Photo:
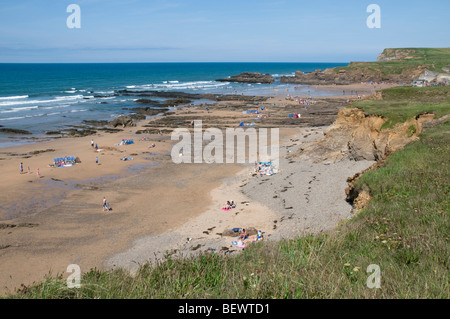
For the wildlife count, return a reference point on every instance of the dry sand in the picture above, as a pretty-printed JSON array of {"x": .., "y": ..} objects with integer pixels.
[
  {"x": 302, "y": 198},
  {"x": 351, "y": 90},
  {"x": 57, "y": 219}
]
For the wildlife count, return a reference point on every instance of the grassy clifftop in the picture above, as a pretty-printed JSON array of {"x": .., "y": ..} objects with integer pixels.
[
  {"x": 406, "y": 61},
  {"x": 403, "y": 103},
  {"x": 392, "y": 65}
]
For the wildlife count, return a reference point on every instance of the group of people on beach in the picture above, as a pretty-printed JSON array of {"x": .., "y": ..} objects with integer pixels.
[
  {"x": 229, "y": 205},
  {"x": 29, "y": 171},
  {"x": 94, "y": 146},
  {"x": 265, "y": 169}
]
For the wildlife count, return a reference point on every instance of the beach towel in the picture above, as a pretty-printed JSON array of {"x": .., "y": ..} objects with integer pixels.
[{"x": 226, "y": 209}]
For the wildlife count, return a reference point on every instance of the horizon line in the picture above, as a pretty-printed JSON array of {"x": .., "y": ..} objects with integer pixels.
[{"x": 173, "y": 62}]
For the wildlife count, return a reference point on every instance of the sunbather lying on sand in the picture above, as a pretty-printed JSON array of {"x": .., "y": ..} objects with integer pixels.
[
  {"x": 244, "y": 234},
  {"x": 231, "y": 204}
]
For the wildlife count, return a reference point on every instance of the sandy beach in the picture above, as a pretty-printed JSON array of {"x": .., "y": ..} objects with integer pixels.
[{"x": 56, "y": 219}]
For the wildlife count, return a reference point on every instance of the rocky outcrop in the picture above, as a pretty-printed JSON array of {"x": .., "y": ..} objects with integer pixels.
[
  {"x": 358, "y": 136},
  {"x": 396, "y": 55},
  {"x": 189, "y": 96},
  {"x": 146, "y": 101},
  {"x": 356, "y": 72},
  {"x": 14, "y": 131},
  {"x": 124, "y": 121},
  {"x": 248, "y": 77},
  {"x": 147, "y": 111}
]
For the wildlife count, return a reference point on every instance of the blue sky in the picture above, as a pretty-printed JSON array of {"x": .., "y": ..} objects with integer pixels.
[{"x": 216, "y": 31}]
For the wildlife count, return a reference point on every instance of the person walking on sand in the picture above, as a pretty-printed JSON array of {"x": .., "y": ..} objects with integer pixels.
[
  {"x": 105, "y": 205},
  {"x": 37, "y": 173},
  {"x": 92, "y": 143},
  {"x": 21, "y": 168},
  {"x": 96, "y": 160}
]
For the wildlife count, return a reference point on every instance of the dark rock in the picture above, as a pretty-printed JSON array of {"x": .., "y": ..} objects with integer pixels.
[
  {"x": 53, "y": 133},
  {"x": 137, "y": 117},
  {"x": 177, "y": 101},
  {"x": 95, "y": 123},
  {"x": 123, "y": 120},
  {"x": 146, "y": 101},
  {"x": 149, "y": 111},
  {"x": 248, "y": 77},
  {"x": 42, "y": 151},
  {"x": 79, "y": 132},
  {"x": 110, "y": 130},
  {"x": 194, "y": 96},
  {"x": 14, "y": 131}
]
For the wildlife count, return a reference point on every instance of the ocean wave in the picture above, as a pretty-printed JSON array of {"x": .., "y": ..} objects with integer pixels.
[
  {"x": 108, "y": 98},
  {"x": 190, "y": 85},
  {"x": 54, "y": 113},
  {"x": 55, "y": 107},
  {"x": 68, "y": 98},
  {"x": 13, "y": 97},
  {"x": 21, "y": 117},
  {"x": 176, "y": 85},
  {"x": 18, "y": 109},
  {"x": 57, "y": 99},
  {"x": 111, "y": 92}
]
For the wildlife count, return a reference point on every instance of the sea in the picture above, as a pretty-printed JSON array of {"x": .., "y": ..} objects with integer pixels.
[{"x": 40, "y": 98}]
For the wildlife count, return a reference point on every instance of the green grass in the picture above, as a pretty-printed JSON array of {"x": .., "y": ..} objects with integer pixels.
[
  {"x": 434, "y": 59},
  {"x": 401, "y": 104}
]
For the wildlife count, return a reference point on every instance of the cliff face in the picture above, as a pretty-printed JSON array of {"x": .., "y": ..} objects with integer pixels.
[
  {"x": 396, "y": 55},
  {"x": 357, "y": 136}
]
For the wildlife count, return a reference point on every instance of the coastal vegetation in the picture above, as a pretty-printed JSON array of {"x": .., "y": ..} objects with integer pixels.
[
  {"x": 403, "y": 103},
  {"x": 393, "y": 65},
  {"x": 404, "y": 230},
  {"x": 397, "y": 61}
]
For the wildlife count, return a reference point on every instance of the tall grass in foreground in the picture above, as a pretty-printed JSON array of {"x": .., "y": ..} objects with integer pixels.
[{"x": 404, "y": 230}]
